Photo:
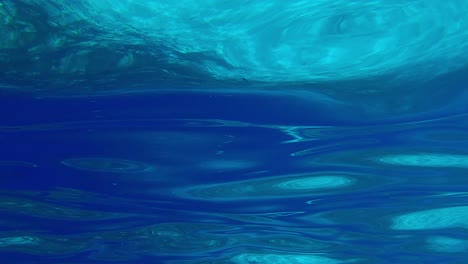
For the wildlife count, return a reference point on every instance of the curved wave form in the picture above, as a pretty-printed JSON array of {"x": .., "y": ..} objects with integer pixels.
[{"x": 271, "y": 41}]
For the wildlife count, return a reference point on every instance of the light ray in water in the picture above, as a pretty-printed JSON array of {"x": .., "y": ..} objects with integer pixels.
[
  {"x": 107, "y": 165},
  {"x": 18, "y": 240},
  {"x": 418, "y": 156},
  {"x": 227, "y": 165},
  {"x": 279, "y": 186}
]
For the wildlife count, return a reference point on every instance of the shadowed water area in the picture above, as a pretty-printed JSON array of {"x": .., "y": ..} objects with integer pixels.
[{"x": 237, "y": 132}]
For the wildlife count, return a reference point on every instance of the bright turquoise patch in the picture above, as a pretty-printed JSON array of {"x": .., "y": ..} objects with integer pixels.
[
  {"x": 252, "y": 258},
  {"x": 449, "y": 217},
  {"x": 427, "y": 160},
  {"x": 262, "y": 40},
  {"x": 313, "y": 183},
  {"x": 19, "y": 240}
]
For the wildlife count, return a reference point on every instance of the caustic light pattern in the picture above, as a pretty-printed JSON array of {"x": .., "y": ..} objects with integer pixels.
[{"x": 278, "y": 41}]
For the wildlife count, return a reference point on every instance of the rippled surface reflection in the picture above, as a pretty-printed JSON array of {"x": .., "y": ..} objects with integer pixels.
[{"x": 237, "y": 191}]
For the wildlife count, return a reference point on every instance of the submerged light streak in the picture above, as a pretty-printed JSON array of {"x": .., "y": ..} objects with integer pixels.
[
  {"x": 107, "y": 165},
  {"x": 18, "y": 240},
  {"x": 440, "y": 218},
  {"x": 291, "y": 185},
  {"x": 427, "y": 160},
  {"x": 447, "y": 244}
]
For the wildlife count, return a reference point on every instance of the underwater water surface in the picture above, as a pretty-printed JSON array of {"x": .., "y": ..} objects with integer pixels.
[{"x": 237, "y": 132}]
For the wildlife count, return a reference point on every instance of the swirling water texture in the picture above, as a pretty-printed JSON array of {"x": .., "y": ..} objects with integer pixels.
[
  {"x": 194, "y": 193},
  {"x": 269, "y": 41}
]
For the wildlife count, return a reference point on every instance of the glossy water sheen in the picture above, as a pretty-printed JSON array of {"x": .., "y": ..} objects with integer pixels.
[{"x": 237, "y": 132}]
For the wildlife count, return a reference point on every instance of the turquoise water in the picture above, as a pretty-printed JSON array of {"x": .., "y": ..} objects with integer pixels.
[{"x": 233, "y": 132}]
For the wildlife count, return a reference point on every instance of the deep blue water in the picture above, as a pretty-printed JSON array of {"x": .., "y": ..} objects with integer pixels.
[{"x": 233, "y": 132}]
